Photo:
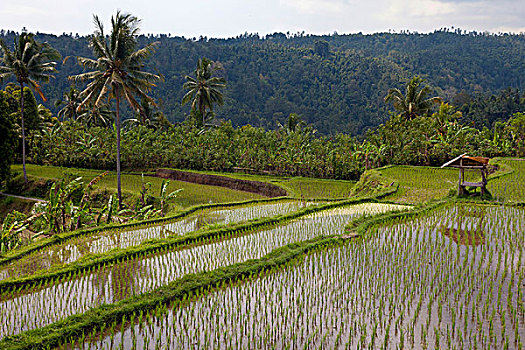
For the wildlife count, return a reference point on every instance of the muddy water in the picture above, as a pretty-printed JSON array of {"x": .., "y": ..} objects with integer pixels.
[
  {"x": 104, "y": 241},
  {"x": 39, "y": 307},
  {"x": 409, "y": 286}
]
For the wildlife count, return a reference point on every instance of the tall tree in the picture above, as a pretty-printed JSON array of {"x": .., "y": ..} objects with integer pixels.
[
  {"x": 8, "y": 138},
  {"x": 415, "y": 102},
  {"x": 204, "y": 88},
  {"x": 29, "y": 63},
  {"x": 117, "y": 71}
]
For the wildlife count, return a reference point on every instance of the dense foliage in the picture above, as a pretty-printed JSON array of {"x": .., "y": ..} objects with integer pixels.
[
  {"x": 335, "y": 82},
  {"x": 224, "y": 148},
  {"x": 428, "y": 140}
]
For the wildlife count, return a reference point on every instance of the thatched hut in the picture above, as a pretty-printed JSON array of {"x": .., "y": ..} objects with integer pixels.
[{"x": 466, "y": 162}]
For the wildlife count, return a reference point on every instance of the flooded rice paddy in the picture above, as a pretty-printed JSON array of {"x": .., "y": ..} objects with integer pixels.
[
  {"x": 454, "y": 279},
  {"x": 53, "y": 301},
  {"x": 104, "y": 241}
]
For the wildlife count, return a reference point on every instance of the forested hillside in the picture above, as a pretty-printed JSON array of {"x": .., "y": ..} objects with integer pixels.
[{"x": 337, "y": 82}]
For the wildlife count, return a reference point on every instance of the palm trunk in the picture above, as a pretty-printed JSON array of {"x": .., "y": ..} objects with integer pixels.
[
  {"x": 119, "y": 190},
  {"x": 202, "y": 110},
  {"x": 23, "y": 131}
]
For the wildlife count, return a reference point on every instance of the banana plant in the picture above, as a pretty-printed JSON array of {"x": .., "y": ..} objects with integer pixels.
[
  {"x": 83, "y": 212},
  {"x": 165, "y": 197},
  {"x": 14, "y": 224}
]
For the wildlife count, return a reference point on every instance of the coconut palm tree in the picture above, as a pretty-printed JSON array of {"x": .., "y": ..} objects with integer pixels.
[
  {"x": 70, "y": 104},
  {"x": 100, "y": 115},
  {"x": 415, "y": 101},
  {"x": 30, "y": 62},
  {"x": 117, "y": 71},
  {"x": 204, "y": 88}
]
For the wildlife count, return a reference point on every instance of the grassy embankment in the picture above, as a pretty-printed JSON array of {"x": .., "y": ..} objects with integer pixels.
[
  {"x": 299, "y": 187},
  {"x": 192, "y": 194}
]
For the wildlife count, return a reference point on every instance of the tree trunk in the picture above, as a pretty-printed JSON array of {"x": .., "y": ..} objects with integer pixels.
[
  {"x": 202, "y": 110},
  {"x": 119, "y": 190},
  {"x": 23, "y": 131}
]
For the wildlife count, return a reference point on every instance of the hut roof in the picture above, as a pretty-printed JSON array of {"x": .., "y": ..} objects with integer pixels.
[{"x": 466, "y": 161}]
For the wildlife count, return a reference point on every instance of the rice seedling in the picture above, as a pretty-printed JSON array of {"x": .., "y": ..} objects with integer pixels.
[
  {"x": 104, "y": 241},
  {"x": 511, "y": 187},
  {"x": 420, "y": 184},
  {"x": 54, "y": 300},
  {"x": 407, "y": 285}
]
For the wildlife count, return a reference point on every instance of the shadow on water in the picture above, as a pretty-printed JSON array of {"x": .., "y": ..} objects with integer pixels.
[{"x": 467, "y": 232}]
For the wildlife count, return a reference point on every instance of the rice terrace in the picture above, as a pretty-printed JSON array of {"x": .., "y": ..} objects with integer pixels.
[{"x": 165, "y": 196}]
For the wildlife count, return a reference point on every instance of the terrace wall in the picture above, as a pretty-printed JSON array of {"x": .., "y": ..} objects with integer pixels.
[{"x": 262, "y": 188}]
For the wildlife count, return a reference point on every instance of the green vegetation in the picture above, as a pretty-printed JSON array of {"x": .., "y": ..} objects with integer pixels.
[
  {"x": 179, "y": 290},
  {"x": 204, "y": 90},
  {"x": 8, "y": 138},
  {"x": 420, "y": 184},
  {"x": 80, "y": 246},
  {"x": 29, "y": 63},
  {"x": 8, "y": 204},
  {"x": 301, "y": 187},
  {"x": 192, "y": 194},
  {"x": 510, "y": 187},
  {"x": 415, "y": 102},
  {"x": 436, "y": 309},
  {"x": 152, "y": 246},
  {"x": 447, "y": 273},
  {"x": 338, "y": 88},
  {"x": 117, "y": 72}
]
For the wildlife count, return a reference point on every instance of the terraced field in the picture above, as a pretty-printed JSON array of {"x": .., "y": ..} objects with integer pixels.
[
  {"x": 104, "y": 241},
  {"x": 52, "y": 301},
  {"x": 355, "y": 274},
  {"x": 463, "y": 290}
]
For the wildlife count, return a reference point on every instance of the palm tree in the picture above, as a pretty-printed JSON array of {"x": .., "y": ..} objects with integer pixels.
[
  {"x": 147, "y": 116},
  {"x": 204, "y": 89},
  {"x": 117, "y": 71},
  {"x": 29, "y": 63},
  {"x": 100, "y": 115},
  {"x": 70, "y": 102},
  {"x": 414, "y": 102}
]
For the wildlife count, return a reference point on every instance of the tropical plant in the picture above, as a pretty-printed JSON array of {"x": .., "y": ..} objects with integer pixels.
[
  {"x": 14, "y": 224},
  {"x": 100, "y": 115},
  {"x": 70, "y": 104},
  {"x": 28, "y": 63},
  {"x": 443, "y": 118},
  {"x": 165, "y": 197},
  {"x": 8, "y": 139},
  {"x": 415, "y": 102},
  {"x": 147, "y": 116},
  {"x": 204, "y": 88},
  {"x": 294, "y": 123},
  {"x": 117, "y": 71}
]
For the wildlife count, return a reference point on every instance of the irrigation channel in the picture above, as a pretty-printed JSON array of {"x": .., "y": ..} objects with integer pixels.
[
  {"x": 104, "y": 241},
  {"x": 27, "y": 309},
  {"x": 452, "y": 278}
]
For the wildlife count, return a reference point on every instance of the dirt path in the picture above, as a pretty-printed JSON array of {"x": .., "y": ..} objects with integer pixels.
[{"x": 22, "y": 197}]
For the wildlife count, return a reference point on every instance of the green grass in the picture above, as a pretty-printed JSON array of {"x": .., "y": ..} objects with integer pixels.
[
  {"x": 302, "y": 187},
  {"x": 192, "y": 194},
  {"x": 421, "y": 184},
  {"x": 299, "y": 187}
]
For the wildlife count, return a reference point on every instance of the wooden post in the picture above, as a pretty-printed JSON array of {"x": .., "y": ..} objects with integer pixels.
[{"x": 483, "y": 180}]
